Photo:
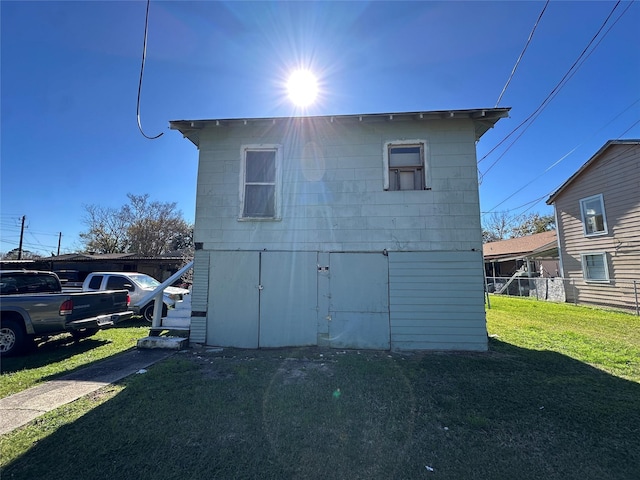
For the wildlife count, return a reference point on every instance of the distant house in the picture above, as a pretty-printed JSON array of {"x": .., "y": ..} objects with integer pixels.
[
  {"x": 533, "y": 254},
  {"x": 74, "y": 267},
  {"x": 598, "y": 221},
  {"x": 349, "y": 231}
]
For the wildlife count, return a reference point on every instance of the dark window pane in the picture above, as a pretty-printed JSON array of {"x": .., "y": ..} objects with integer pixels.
[
  {"x": 259, "y": 201},
  {"x": 119, "y": 283},
  {"x": 261, "y": 167},
  {"x": 405, "y": 156},
  {"x": 95, "y": 282}
]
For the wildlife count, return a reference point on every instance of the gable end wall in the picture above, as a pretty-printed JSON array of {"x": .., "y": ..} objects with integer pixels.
[
  {"x": 333, "y": 201},
  {"x": 616, "y": 175}
]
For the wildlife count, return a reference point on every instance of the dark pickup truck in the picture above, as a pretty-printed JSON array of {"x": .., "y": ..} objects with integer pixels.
[{"x": 33, "y": 305}]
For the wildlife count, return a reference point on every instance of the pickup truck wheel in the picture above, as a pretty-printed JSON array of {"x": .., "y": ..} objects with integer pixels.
[
  {"x": 147, "y": 313},
  {"x": 84, "y": 333},
  {"x": 12, "y": 338}
]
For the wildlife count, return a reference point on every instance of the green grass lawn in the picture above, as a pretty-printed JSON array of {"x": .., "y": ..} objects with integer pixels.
[
  {"x": 604, "y": 339},
  {"x": 556, "y": 397},
  {"x": 61, "y": 355}
]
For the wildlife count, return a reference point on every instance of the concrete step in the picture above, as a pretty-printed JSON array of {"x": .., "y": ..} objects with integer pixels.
[
  {"x": 168, "y": 343},
  {"x": 176, "y": 322}
]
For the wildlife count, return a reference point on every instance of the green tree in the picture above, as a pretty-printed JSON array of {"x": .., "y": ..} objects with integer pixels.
[
  {"x": 533, "y": 223},
  {"x": 502, "y": 226}
]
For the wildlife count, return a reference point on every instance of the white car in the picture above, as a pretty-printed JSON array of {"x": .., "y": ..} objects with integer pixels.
[{"x": 139, "y": 285}]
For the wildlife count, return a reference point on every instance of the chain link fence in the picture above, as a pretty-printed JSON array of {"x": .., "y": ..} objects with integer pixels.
[{"x": 617, "y": 294}]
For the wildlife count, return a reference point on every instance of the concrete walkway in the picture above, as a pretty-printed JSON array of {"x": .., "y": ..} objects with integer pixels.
[{"x": 20, "y": 408}]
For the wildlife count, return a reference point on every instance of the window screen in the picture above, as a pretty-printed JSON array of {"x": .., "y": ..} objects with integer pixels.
[
  {"x": 260, "y": 184},
  {"x": 594, "y": 267}
]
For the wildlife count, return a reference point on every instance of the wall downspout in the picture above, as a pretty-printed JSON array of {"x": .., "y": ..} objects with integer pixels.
[{"x": 561, "y": 263}]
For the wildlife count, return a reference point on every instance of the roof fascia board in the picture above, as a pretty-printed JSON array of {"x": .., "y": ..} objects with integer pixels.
[
  {"x": 587, "y": 164},
  {"x": 484, "y": 119}
]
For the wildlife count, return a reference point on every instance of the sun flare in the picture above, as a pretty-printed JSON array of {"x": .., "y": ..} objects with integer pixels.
[{"x": 302, "y": 87}]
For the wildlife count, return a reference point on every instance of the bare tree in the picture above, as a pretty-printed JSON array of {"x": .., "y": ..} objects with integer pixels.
[
  {"x": 501, "y": 226},
  {"x": 13, "y": 255},
  {"x": 107, "y": 231},
  {"x": 153, "y": 227},
  {"x": 142, "y": 226},
  {"x": 498, "y": 226}
]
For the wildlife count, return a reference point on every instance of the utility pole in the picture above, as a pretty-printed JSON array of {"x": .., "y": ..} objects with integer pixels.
[
  {"x": 21, "y": 237},
  {"x": 59, "y": 240}
]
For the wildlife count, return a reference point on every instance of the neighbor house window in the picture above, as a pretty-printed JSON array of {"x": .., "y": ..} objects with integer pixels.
[
  {"x": 405, "y": 165},
  {"x": 259, "y": 182},
  {"x": 594, "y": 267},
  {"x": 593, "y": 217}
]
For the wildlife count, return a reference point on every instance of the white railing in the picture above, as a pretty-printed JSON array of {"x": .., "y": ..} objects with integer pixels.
[{"x": 157, "y": 294}]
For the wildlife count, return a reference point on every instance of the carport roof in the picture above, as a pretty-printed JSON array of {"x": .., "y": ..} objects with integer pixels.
[{"x": 539, "y": 244}]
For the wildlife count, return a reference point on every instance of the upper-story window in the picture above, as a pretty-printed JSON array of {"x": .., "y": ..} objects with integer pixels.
[
  {"x": 259, "y": 182},
  {"x": 593, "y": 216},
  {"x": 405, "y": 165}
]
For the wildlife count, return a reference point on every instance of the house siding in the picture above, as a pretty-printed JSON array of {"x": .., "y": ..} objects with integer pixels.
[
  {"x": 199, "y": 297},
  {"x": 615, "y": 175},
  {"x": 437, "y": 301},
  {"x": 332, "y": 196},
  {"x": 333, "y": 203}
]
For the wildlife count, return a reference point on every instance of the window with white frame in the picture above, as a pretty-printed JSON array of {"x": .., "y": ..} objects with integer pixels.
[
  {"x": 259, "y": 182},
  {"x": 594, "y": 267},
  {"x": 405, "y": 165},
  {"x": 593, "y": 216}
]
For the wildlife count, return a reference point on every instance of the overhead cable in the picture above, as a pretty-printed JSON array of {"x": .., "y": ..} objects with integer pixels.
[
  {"x": 515, "y": 67},
  {"x": 144, "y": 56},
  {"x": 534, "y": 202},
  {"x": 576, "y": 64},
  {"x": 569, "y": 153}
]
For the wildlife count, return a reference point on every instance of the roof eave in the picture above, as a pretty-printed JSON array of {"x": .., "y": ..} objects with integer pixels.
[
  {"x": 587, "y": 164},
  {"x": 484, "y": 119}
]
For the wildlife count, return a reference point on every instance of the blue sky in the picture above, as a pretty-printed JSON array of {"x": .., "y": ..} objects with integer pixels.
[{"x": 70, "y": 71}]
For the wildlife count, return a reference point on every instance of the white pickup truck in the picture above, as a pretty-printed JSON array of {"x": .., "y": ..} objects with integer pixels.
[{"x": 139, "y": 285}]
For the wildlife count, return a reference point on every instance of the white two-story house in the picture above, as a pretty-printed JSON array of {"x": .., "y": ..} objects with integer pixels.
[{"x": 348, "y": 231}]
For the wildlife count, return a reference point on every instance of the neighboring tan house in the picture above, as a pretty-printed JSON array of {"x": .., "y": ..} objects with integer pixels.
[
  {"x": 534, "y": 255},
  {"x": 598, "y": 222},
  {"x": 347, "y": 231}
]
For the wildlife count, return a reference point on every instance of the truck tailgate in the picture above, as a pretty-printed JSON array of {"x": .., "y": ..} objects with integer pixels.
[{"x": 94, "y": 304}]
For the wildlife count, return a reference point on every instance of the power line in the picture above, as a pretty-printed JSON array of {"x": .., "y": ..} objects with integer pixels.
[
  {"x": 515, "y": 67},
  {"x": 536, "y": 201},
  {"x": 570, "y": 152},
  {"x": 144, "y": 56},
  {"x": 513, "y": 209},
  {"x": 574, "y": 67}
]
